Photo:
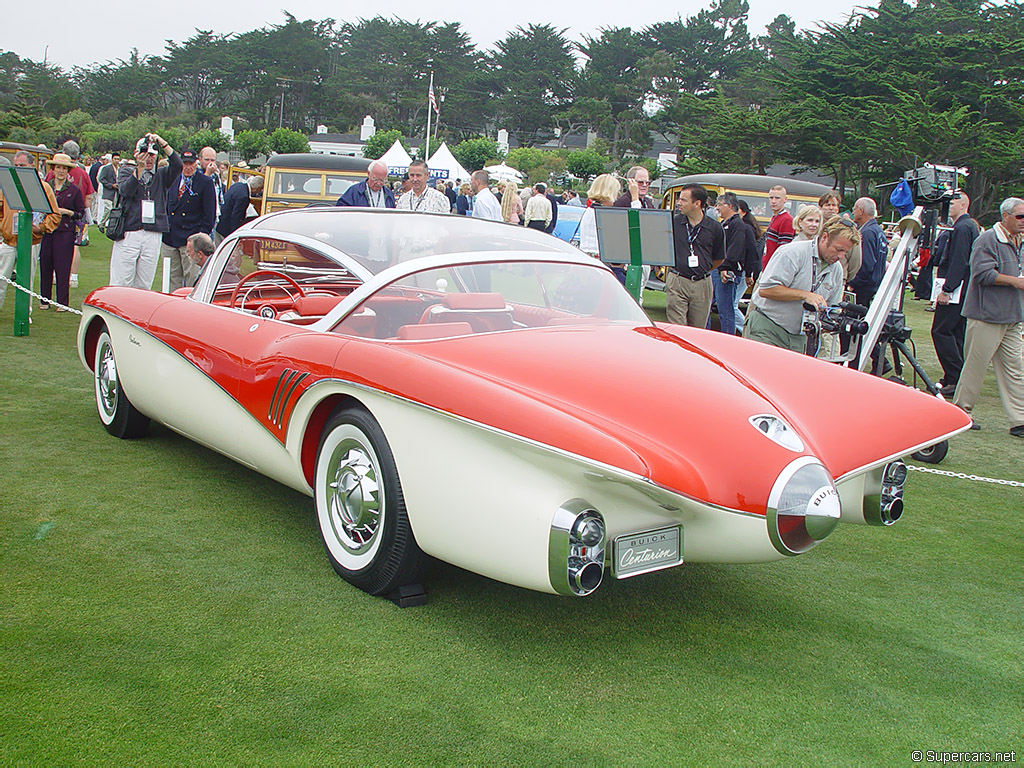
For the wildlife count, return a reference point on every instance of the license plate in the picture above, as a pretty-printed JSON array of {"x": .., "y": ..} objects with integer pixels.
[{"x": 637, "y": 553}]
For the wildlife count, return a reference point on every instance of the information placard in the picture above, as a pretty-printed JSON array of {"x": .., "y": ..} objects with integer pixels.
[{"x": 616, "y": 242}]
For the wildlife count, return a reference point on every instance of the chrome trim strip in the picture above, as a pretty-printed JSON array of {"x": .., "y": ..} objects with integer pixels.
[
  {"x": 898, "y": 455},
  {"x": 282, "y": 382},
  {"x": 288, "y": 395}
]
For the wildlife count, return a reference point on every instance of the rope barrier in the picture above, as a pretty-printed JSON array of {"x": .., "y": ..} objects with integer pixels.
[{"x": 23, "y": 289}]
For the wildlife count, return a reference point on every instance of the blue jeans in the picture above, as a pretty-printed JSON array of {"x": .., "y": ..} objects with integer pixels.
[
  {"x": 725, "y": 299},
  {"x": 741, "y": 288}
]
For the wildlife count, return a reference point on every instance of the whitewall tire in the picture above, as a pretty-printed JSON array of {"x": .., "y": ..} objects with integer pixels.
[{"x": 360, "y": 507}]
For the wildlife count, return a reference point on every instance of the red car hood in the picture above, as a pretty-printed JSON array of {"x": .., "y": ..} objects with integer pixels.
[{"x": 680, "y": 401}]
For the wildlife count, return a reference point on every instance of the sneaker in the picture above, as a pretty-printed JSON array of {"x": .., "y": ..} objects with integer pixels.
[
  {"x": 74, "y": 281},
  {"x": 1017, "y": 431}
]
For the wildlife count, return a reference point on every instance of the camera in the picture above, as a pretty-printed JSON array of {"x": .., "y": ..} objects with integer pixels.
[
  {"x": 146, "y": 145},
  {"x": 932, "y": 185}
]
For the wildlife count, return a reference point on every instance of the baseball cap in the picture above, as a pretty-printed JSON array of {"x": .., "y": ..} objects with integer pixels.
[{"x": 189, "y": 156}]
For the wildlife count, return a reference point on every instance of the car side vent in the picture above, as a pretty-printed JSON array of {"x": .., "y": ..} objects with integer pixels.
[
  {"x": 287, "y": 383},
  {"x": 778, "y": 431}
]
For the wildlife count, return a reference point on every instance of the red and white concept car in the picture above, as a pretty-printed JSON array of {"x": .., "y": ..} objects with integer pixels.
[{"x": 489, "y": 396}]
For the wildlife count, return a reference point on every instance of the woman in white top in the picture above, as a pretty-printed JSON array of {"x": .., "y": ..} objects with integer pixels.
[{"x": 604, "y": 191}]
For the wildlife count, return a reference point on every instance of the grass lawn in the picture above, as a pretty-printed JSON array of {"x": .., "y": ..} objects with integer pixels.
[{"x": 161, "y": 605}]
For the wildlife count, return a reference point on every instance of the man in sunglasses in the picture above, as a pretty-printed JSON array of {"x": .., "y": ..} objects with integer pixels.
[{"x": 994, "y": 308}]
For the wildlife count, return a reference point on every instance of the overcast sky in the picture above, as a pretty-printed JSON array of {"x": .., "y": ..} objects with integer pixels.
[{"x": 116, "y": 26}]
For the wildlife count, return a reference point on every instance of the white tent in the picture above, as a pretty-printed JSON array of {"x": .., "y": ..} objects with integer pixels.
[
  {"x": 444, "y": 160},
  {"x": 397, "y": 159},
  {"x": 504, "y": 173}
]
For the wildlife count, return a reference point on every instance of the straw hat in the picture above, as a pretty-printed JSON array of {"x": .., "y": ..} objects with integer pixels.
[{"x": 61, "y": 159}]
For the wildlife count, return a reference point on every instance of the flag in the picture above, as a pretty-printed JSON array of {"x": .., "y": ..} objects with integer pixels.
[{"x": 433, "y": 101}]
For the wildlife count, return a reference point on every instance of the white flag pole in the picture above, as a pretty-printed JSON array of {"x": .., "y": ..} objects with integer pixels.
[{"x": 426, "y": 153}]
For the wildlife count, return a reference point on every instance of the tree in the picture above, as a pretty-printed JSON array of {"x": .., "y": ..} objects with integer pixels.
[
  {"x": 614, "y": 86},
  {"x": 251, "y": 143},
  {"x": 586, "y": 163},
  {"x": 129, "y": 87},
  {"x": 537, "y": 164},
  {"x": 381, "y": 142},
  {"x": 536, "y": 72},
  {"x": 285, "y": 140},
  {"x": 474, "y": 154},
  {"x": 385, "y": 65},
  {"x": 193, "y": 71},
  {"x": 208, "y": 137}
]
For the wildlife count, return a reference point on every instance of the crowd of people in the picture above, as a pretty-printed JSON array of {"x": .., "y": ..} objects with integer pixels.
[{"x": 177, "y": 206}]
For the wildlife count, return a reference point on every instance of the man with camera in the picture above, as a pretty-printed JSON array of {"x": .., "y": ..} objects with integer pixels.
[
  {"x": 803, "y": 272},
  {"x": 143, "y": 189}
]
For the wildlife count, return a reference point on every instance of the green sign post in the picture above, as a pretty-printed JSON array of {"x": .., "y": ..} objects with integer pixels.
[
  {"x": 644, "y": 233},
  {"x": 23, "y": 192},
  {"x": 634, "y": 271}
]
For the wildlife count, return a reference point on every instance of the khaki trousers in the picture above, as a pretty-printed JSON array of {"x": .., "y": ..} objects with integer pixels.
[
  {"x": 184, "y": 271},
  {"x": 1000, "y": 344},
  {"x": 688, "y": 302}
]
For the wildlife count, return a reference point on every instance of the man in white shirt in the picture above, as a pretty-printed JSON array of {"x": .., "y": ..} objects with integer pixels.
[
  {"x": 538, "y": 209},
  {"x": 421, "y": 197},
  {"x": 485, "y": 204}
]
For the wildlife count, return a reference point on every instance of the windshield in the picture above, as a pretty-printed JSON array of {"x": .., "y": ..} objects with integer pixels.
[
  {"x": 482, "y": 298},
  {"x": 378, "y": 240}
]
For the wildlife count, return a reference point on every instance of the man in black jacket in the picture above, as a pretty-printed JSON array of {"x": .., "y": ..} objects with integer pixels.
[
  {"x": 191, "y": 208},
  {"x": 949, "y": 325},
  {"x": 740, "y": 257},
  {"x": 236, "y": 203},
  {"x": 143, "y": 190}
]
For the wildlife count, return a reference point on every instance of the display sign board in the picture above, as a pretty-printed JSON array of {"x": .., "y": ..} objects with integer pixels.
[
  {"x": 651, "y": 235},
  {"x": 23, "y": 190}
]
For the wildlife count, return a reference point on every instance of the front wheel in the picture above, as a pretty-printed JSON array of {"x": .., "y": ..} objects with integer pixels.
[
  {"x": 360, "y": 506},
  {"x": 119, "y": 416}
]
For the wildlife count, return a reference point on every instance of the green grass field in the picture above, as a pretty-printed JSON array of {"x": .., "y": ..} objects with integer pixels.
[{"x": 163, "y": 605}]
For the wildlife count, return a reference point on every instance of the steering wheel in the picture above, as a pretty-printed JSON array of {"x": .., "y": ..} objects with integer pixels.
[{"x": 265, "y": 273}]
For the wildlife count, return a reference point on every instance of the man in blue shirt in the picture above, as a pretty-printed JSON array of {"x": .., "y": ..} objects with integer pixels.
[{"x": 873, "y": 249}]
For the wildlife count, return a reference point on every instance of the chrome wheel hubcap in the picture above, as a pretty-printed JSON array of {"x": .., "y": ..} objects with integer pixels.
[
  {"x": 106, "y": 380},
  {"x": 354, "y": 497}
]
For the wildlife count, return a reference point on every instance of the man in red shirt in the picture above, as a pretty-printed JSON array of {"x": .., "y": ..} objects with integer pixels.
[{"x": 780, "y": 231}]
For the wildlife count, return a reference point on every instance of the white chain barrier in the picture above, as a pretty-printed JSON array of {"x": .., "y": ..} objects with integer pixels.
[
  {"x": 23, "y": 289},
  {"x": 964, "y": 476}
]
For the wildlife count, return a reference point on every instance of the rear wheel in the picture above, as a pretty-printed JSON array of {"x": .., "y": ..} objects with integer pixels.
[
  {"x": 118, "y": 415},
  {"x": 933, "y": 454},
  {"x": 360, "y": 506}
]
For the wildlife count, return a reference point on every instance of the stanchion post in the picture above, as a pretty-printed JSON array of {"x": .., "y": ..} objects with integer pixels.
[
  {"x": 24, "y": 269},
  {"x": 635, "y": 271}
]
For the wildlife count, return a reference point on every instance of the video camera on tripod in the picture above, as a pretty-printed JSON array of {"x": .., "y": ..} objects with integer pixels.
[
  {"x": 849, "y": 319},
  {"x": 933, "y": 187}
]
